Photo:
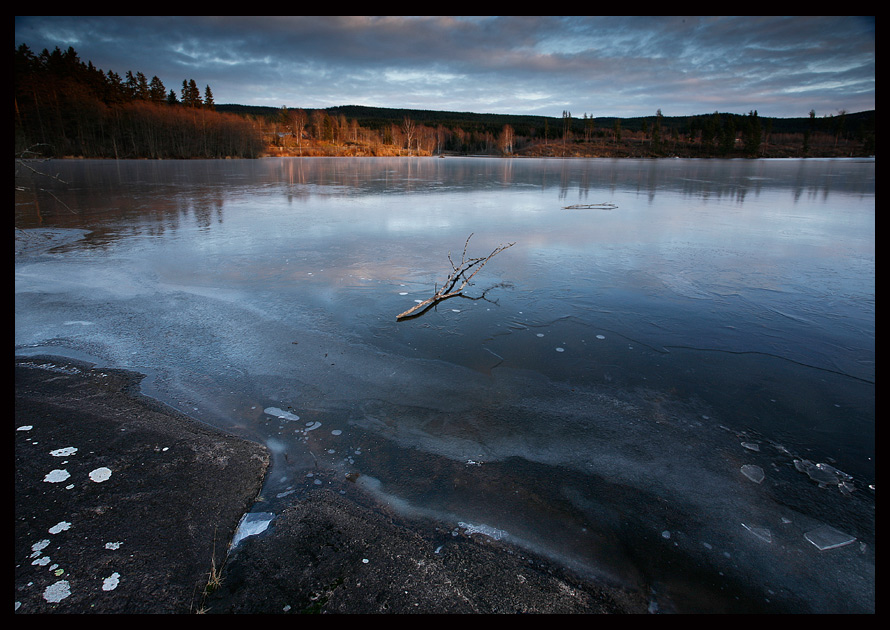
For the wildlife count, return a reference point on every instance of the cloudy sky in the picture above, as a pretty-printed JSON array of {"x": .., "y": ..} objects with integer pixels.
[{"x": 599, "y": 66}]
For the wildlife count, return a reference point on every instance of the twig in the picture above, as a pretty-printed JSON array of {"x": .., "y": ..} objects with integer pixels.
[{"x": 458, "y": 272}]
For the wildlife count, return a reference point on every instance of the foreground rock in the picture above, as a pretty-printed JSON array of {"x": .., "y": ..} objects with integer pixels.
[
  {"x": 330, "y": 553},
  {"x": 134, "y": 519}
]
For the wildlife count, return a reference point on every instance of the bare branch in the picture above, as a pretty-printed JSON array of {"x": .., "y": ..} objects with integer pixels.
[{"x": 458, "y": 273}]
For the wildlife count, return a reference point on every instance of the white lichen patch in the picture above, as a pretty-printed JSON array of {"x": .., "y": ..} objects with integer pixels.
[
  {"x": 54, "y": 593},
  {"x": 39, "y": 546},
  {"x": 61, "y": 526},
  {"x": 64, "y": 452},
  {"x": 100, "y": 474},
  {"x": 110, "y": 583},
  {"x": 56, "y": 476}
]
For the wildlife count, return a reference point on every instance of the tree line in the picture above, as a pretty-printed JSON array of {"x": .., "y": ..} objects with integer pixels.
[
  {"x": 360, "y": 130},
  {"x": 67, "y": 107}
]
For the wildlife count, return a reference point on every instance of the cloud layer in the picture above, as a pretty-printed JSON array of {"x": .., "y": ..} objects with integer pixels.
[{"x": 600, "y": 66}]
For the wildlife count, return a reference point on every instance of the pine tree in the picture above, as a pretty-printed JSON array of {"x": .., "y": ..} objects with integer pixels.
[
  {"x": 753, "y": 133},
  {"x": 157, "y": 93},
  {"x": 194, "y": 93}
]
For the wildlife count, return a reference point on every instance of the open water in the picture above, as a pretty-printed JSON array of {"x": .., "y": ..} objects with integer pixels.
[{"x": 667, "y": 382}]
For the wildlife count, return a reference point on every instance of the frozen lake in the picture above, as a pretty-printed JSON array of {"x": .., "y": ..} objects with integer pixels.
[{"x": 667, "y": 382}]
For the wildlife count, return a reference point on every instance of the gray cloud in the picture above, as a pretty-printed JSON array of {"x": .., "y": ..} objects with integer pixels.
[{"x": 602, "y": 66}]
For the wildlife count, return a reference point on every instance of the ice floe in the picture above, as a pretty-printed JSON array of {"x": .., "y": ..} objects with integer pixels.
[{"x": 281, "y": 413}]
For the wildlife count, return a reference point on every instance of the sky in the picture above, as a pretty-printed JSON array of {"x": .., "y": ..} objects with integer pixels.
[{"x": 541, "y": 65}]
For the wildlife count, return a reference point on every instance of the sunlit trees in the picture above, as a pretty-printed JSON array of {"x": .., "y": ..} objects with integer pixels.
[
  {"x": 506, "y": 139},
  {"x": 408, "y": 129}
]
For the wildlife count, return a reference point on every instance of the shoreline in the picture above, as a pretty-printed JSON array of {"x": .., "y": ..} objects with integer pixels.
[{"x": 151, "y": 536}]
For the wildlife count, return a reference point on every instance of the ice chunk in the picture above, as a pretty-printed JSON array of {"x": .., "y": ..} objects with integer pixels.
[
  {"x": 252, "y": 524},
  {"x": 827, "y": 537},
  {"x": 823, "y": 474},
  {"x": 754, "y": 473},
  {"x": 487, "y": 530},
  {"x": 761, "y": 532}
]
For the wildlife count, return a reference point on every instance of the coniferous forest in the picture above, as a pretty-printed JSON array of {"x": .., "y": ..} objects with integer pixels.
[{"x": 66, "y": 107}]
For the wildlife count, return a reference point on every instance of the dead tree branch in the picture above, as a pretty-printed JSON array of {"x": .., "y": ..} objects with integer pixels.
[{"x": 458, "y": 274}]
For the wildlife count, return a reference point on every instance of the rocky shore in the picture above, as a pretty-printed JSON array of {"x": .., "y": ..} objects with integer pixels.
[{"x": 123, "y": 505}]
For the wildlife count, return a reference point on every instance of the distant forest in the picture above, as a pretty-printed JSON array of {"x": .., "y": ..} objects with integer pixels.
[{"x": 65, "y": 107}]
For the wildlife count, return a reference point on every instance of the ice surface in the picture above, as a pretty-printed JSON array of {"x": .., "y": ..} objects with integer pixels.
[
  {"x": 827, "y": 537},
  {"x": 260, "y": 311}
]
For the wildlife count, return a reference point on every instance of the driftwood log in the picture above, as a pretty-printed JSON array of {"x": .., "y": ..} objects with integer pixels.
[
  {"x": 599, "y": 206},
  {"x": 458, "y": 274}
]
